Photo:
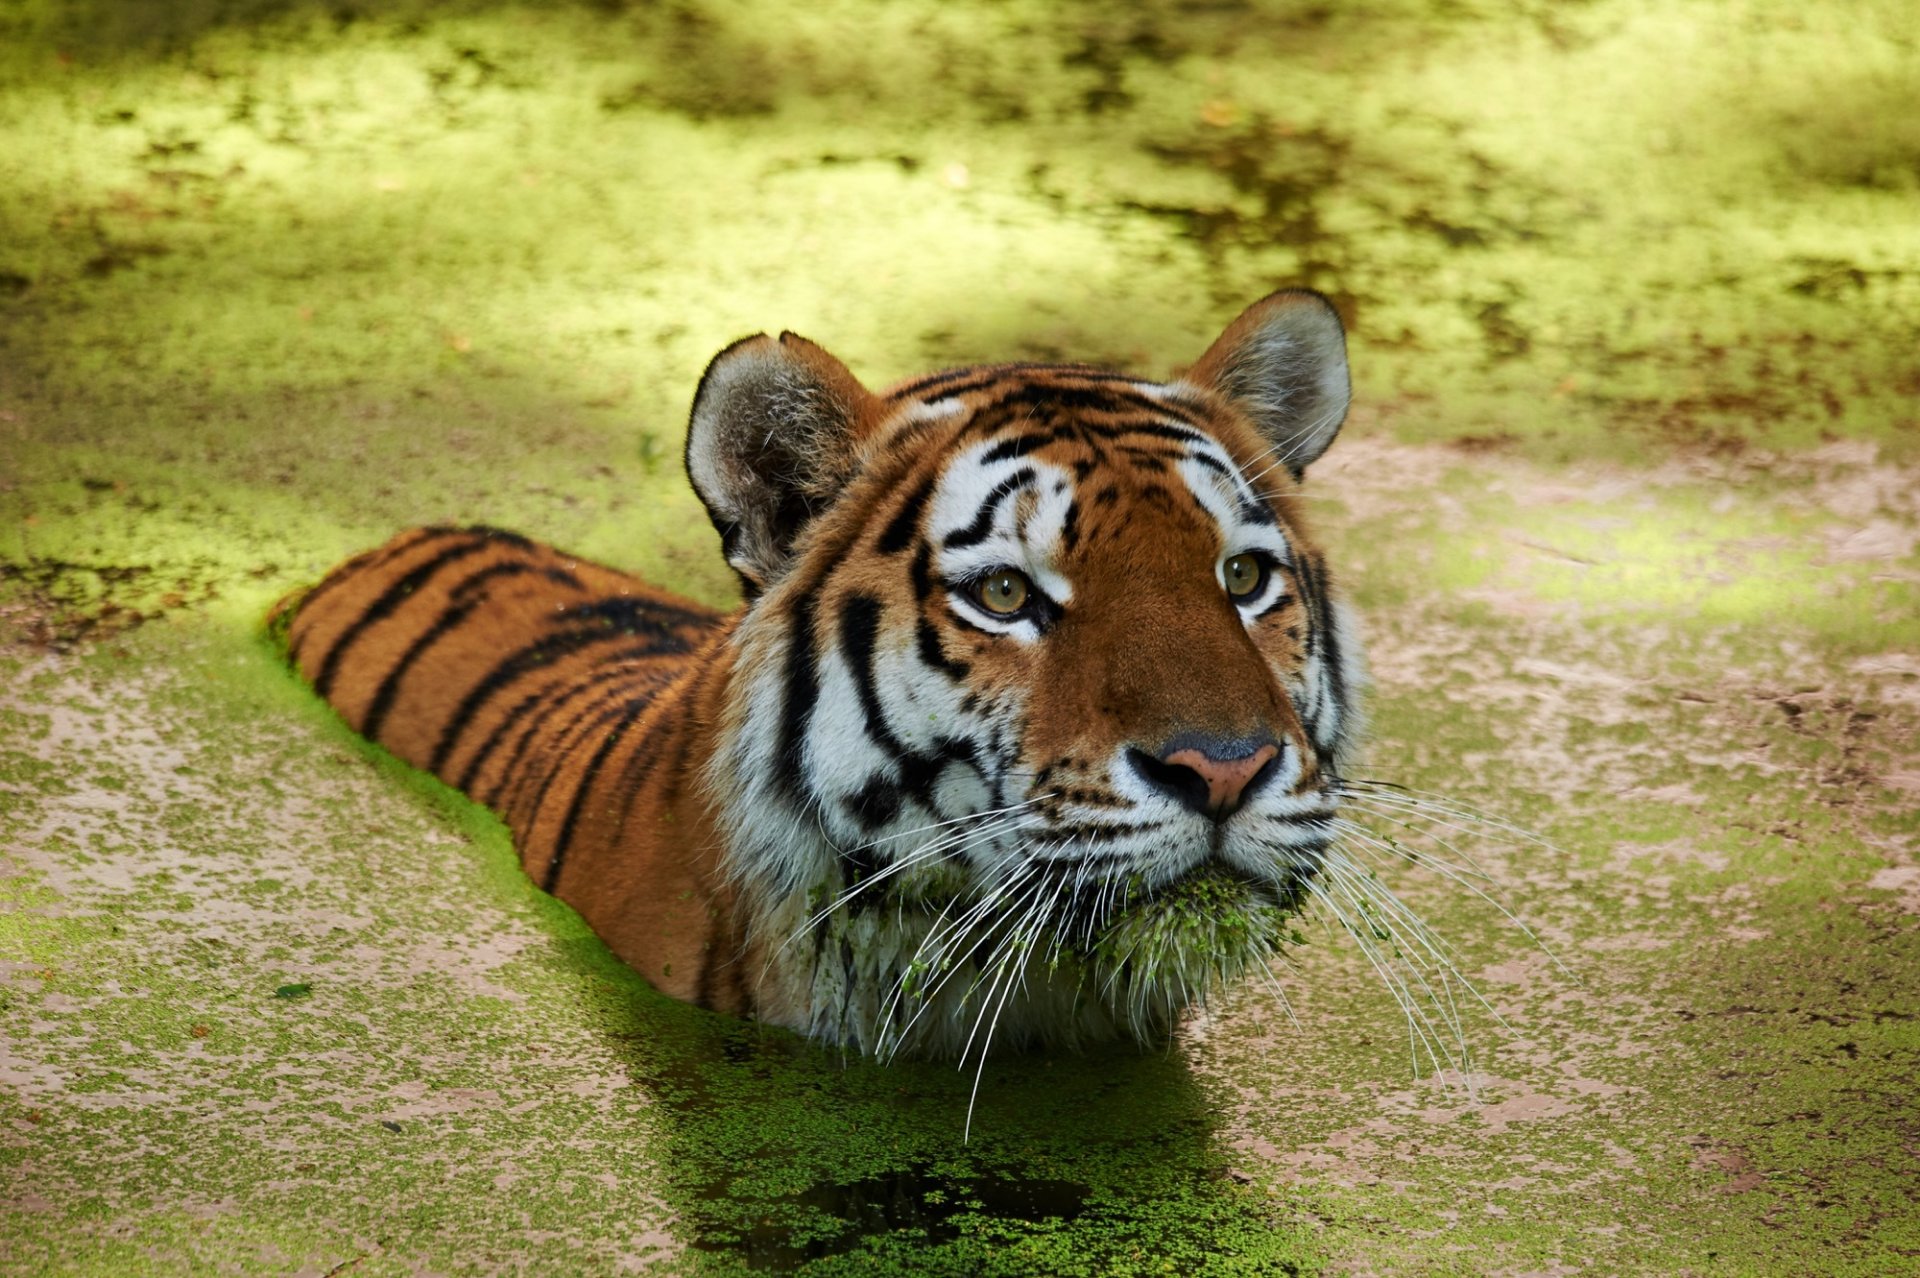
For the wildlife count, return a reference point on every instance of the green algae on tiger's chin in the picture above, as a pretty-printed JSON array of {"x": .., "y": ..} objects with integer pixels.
[
  {"x": 1168, "y": 946},
  {"x": 1158, "y": 951}
]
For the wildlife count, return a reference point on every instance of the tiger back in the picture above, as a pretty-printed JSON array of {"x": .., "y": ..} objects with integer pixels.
[
  {"x": 1029, "y": 729},
  {"x": 558, "y": 693}
]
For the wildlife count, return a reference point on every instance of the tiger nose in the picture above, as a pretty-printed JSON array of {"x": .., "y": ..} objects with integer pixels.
[{"x": 1204, "y": 780}]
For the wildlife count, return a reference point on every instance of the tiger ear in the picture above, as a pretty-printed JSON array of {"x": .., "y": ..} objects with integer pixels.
[
  {"x": 1283, "y": 363},
  {"x": 772, "y": 441}
]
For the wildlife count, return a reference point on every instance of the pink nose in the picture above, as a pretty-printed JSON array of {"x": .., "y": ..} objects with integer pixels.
[{"x": 1226, "y": 778}]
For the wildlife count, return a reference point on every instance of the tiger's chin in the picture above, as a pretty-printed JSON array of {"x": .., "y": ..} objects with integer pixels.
[
  {"x": 1166, "y": 947},
  {"x": 949, "y": 970}
]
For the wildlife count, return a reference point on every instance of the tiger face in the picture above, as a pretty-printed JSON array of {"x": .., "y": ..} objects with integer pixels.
[{"x": 1039, "y": 704}]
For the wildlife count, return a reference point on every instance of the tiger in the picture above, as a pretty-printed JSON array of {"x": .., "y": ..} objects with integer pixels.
[{"x": 1028, "y": 731}]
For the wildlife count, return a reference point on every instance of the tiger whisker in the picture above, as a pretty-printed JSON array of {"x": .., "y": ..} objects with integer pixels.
[
  {"x": 1281, "y": 451},
  {"x": 1060, "y": 934},
  {"x": 1423, "y": 805},
  {"x": 1428, "y": 801},
  {"x": 1444, "y": 956},
  {"x": 998, "y": 821},
  {"x": 1421, "y": 1032},
  {"x": 1273, "y": 983},
  {"x": 1012, "y": 895},
  {"x": 1012, "y": 971},
  {"x": 1416, "y": 1037},
  {"x": 1464, "y": 864},
  {"x": 928, "y": 997},
  {"x": 949, "y": 845},
  {"x": 887, "y": 1010},
  {"x": 1382, "y": 908},
  {"x": 1464, "y": 879},
  {"x": 932, "y": 851},
  {"x": 1040, "y": 916},
  {"x": 1373, "y": 898},
  {"x": 1392, "y": 808},
  {"x": 940, "y": 941},
  {"x": 1005, "y": 953},
  {"x": 1014, "y": 946},
  {"x": 941, "y": 825},
  {"x": 1367, "y": 840}
]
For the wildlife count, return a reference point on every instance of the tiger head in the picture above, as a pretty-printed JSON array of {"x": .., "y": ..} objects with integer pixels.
[{"x": 1039, "y": 703}]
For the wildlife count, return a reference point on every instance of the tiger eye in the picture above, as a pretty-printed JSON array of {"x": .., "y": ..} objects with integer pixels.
[
  {"x": 1004, "y": 592},
  {"x": 1243, "y": 575}
]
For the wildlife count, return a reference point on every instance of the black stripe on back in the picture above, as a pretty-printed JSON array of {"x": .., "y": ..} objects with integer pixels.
[
  {"x": 526, "y": 704},
  {"x": 389, "y": 689},
  {"x": 387, "y": 604},
  {"x": 556, "y": 698},
  {"x": 358, "y": 565},
  {"x": 466, "y": 597},
  {"x": 643, "y": 760},
  {"x": 625, "y": 715},
  {"x": 639, "y": 616},
  {"x": 611, "y": 709},
  {"x": 516, "y": 666},
  {"x": 491, "y": 533}
]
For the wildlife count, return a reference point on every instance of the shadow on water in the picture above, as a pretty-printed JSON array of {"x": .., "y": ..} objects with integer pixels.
[{"x": 782, "y": 1157}]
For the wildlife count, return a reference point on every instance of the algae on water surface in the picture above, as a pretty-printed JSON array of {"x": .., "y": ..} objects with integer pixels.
[{"x": 1627, "y": 500}]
